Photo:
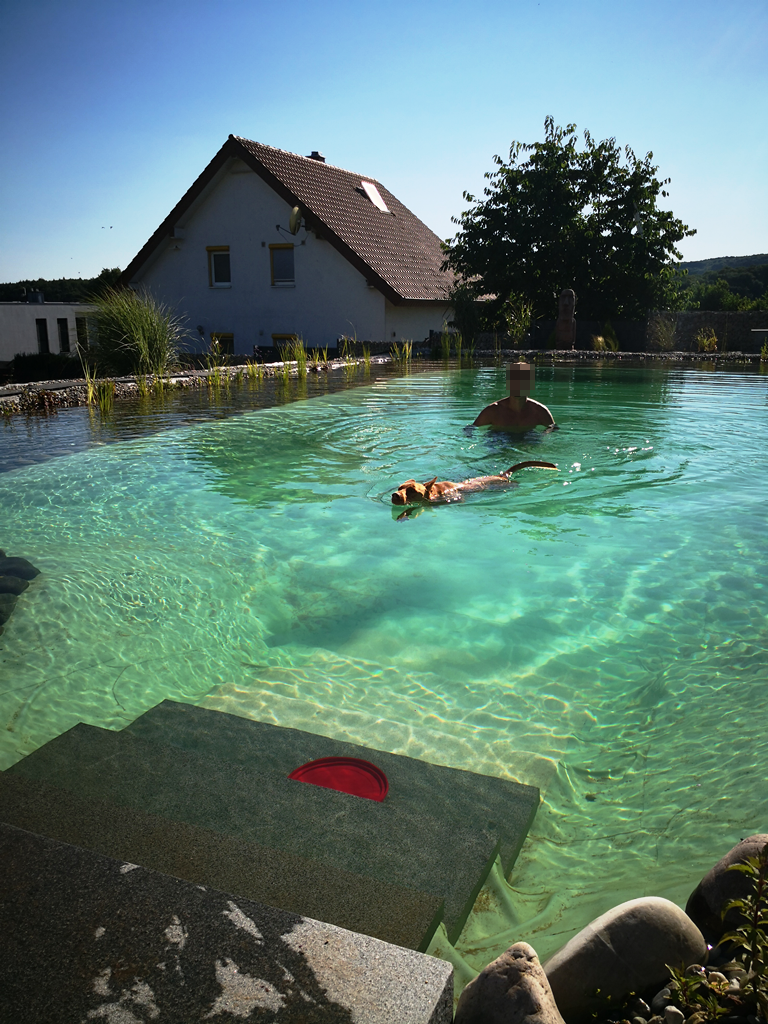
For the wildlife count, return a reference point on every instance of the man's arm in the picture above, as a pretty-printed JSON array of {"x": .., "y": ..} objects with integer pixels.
[{"x": 486, "y": 417}]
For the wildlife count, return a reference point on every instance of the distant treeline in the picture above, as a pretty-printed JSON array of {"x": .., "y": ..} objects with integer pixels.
[
  {"x": 726, "y": 283},
  {"x": 64, "y": 289}
]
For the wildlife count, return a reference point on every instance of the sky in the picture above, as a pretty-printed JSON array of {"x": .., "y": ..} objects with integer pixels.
[{"x": 109, "y": 110}]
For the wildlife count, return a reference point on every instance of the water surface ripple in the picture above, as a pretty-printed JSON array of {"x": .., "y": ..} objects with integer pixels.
[{"x": 600, "y": 632}]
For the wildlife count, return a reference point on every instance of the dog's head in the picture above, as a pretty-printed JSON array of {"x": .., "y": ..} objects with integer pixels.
[{"x": 410, "y": 493}]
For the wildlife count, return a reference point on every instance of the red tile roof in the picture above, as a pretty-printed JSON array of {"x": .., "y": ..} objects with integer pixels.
[
  {"x": 398, "y": 247},
  {"x": 395, "y": 251}
]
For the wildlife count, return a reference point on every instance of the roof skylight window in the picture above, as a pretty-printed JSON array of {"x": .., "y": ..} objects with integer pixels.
[{"x": 373, "y": 194}]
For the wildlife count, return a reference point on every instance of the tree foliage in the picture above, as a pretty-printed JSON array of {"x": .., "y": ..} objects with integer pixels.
[{"x": 555, "y": 216}]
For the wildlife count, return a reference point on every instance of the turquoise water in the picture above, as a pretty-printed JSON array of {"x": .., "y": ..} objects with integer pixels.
[{"x": 600, "y": 632}]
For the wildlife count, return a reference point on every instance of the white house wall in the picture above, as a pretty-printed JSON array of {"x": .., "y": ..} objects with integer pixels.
[
  {"x": 330, "y": 297},
  {"x": 241, "y": 211},
  {"x": 413, "y": 323},
  {"x": 18, "y": 329}
]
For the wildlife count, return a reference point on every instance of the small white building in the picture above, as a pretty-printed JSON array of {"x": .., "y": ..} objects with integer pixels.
[
  {"x": 246, "y": 267},
  {"x": 27, "y": 328}
]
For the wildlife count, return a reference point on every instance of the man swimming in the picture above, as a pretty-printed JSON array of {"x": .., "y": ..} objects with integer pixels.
[{"x": 518, "y": 412}]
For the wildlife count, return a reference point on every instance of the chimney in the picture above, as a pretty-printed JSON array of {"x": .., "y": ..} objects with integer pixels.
[{"x": 314, "y": 155}]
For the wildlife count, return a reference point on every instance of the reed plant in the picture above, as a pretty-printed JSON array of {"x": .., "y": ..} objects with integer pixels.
[
  {"x": 89, "y": 374},
  {"x": 401, "y": 353},
  {"x": 367, "y": 356},
  {"x": 254, "y": 370},
  {"x": 299, "y": 353},
  {"x": 105, "y": 392},
  {"x": 142, "y": 385},
  {"x": 134, "y": 333}
]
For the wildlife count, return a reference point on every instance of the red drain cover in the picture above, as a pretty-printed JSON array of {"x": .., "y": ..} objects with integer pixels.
[{"x": 345, "y": 774}]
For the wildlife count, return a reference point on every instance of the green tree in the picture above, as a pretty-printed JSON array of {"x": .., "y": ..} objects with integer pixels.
[{"x": 555, "y": 216}]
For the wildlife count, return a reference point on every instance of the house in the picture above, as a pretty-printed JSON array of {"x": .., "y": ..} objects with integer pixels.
[
  {"x": 268, "y": 245},
  {"x": 35, "y": 326}
]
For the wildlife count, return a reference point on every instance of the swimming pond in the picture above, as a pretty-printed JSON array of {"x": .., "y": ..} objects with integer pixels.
[{"x": 600, "y": 632}]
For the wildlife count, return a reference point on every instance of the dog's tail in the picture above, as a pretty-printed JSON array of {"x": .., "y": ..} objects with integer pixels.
[{"x": 528, "y": 465}]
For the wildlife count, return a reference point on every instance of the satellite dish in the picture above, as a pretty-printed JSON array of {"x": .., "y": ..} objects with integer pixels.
[{"x": 294, "y": 222}]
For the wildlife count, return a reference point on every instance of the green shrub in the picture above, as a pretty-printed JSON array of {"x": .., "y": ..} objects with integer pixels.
[{"x": 706, "y": 340}]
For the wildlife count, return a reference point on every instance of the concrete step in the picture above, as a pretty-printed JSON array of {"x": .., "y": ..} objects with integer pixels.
[
  {"x": 505, "y": 808},
  {"x": 438, "y": 832},
  {"x": 274, "y": 877},
  {"x": 88, "y": 937}
]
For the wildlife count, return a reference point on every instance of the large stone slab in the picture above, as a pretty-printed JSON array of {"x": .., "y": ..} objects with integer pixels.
[
  {"x": 438, "y": 831},
  {"x": 503, "y": 807},
  {"x": 275, "y": 877},
  {"x": 85, "y": 937}
]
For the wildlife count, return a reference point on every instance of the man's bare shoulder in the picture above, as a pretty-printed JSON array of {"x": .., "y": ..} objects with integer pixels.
[
  {"x": 491, "y": 415},
  {"x": 501, "y": 414}
]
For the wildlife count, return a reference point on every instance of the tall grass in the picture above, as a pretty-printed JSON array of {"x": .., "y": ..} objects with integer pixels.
[
  {"x": 135, "y": 333},
  {"x": 401, "y": 353},
  {"x": 105, "y": 391},
  {"x": 300, "y": 356},
  {"x": 89, "y": 376},
  {"x": 254, "y": 370},
  {"x": 367, "y": 356}
]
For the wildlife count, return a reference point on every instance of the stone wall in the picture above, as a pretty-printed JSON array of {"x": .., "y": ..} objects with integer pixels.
[{"x": 734, "y": 330}]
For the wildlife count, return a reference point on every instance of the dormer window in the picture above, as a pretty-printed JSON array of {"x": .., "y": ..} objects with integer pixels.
[
  {"x": 219, "y": 270},
  {"x": 374, "y": 195}
]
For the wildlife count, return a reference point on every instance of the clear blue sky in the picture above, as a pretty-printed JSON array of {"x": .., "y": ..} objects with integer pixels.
[{"x": 109, "y": 110}]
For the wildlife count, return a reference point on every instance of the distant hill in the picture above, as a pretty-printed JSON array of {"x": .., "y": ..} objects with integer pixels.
[{"x": 718, "y": 262}]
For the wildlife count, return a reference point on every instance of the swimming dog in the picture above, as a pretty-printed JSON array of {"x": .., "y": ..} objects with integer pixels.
[{"x": 414, "y": 493}]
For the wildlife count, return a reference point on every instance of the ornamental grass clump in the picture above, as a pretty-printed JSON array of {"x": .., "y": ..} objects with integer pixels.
[{"x": 134, "y": 333}]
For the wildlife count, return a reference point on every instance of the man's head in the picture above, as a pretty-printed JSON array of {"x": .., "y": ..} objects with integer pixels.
[{"x": 522, "y": 379}]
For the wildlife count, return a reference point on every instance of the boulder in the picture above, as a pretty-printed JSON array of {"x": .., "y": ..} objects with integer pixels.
[
  {"x": 625, "y": 950},
  {"x": 12, "y": 585},
  {"x": 718, "y": 886},
  {"x": 511, "y": 990},
  {"x": 19, "y": 567}
]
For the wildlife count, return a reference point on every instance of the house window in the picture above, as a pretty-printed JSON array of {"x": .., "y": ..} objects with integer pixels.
[
  {"x": 63, "y": 325},
  {"x": 42, "y": 337},
  {"x": 219, "y": 271},
  {"x": 81, "y": 333},
  {"x": 224, "y": 343},
  {"x": 281, "y": 264}
]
